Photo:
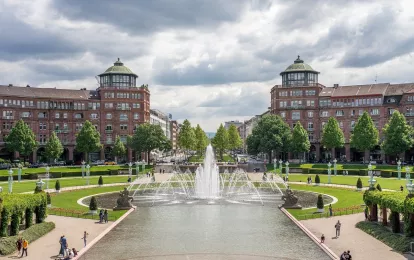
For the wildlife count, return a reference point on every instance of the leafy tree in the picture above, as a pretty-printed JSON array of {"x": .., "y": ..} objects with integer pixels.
[
  {"x": 319, "y": 203},
  {"x": 332, "y": 136},
  {"x": 88, "y": 140},
  {"x": 317, "y": 179},
  {"x": 186, "y": 137},
  {"x": 397, "y": 135},
  {"x": 300, "y": 140},
  {"x": 365, "y": 135},
  {"x": 221, "y": 141},
  {"x": 100, "y": 181},
  {"x": 21, "y": 139},
  {"x": 235, "y": 141},
  {"x": 147, "y": 138},
  {"x": 57, "y": 185},
  {"x": 54, "y": 148},
  {"x": 93, "y": 204},
  {"x": 200, "y": 139},
  {"x": 359, "y": 183},
  {"x": 119, "y": 148},
  {"x": 271, "y": 133}
]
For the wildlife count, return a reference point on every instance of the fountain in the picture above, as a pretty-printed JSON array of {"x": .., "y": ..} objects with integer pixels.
[{"x": 207, "y": 182}]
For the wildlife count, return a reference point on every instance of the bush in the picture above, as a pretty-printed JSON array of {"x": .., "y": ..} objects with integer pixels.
[
  {"x": 395, "y": 241},
  {"x": 385, "y": 174},
  {"x": 379, "y": 187},
  {"x": 317, "y": 179},
  {"x": 359, "y": 183},
  {"x": 319, "y": 203},
  {"x": 57, "y": 185},
  {"x": 100, "y": 181},
  {"x": 15, "y": 224},
  {"x": 28, "y": 217},
  {"x": 37, "y": 189},
  {"x": 8, "y": 244},
  {"x": 48, "y": 198},
  {"x": 93, "y": 205}
]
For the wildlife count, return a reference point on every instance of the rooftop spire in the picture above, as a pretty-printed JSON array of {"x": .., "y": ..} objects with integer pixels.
[{"x": 298, "y": 60}]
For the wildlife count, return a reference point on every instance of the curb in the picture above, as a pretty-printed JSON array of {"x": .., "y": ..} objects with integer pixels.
[
  {"x": 84, "y": 250},
  {"x": 326, "y": 249}
]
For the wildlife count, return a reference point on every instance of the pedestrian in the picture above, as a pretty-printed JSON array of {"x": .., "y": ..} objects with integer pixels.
[
  {"x": 366, "y": 213},
  {"x": 402, "y": 188},
  {"x": 349, "y": 256},
  {"x": 62, "y": 242},
  {"x": 322, "y": 238},
  {"x": 105, "y": 216},
  {"x": 101, "y": 216},
  {"x": 25, "y": 246},
  {"x": 163, "y": 171},
  {"x": 330, "y": 210},
  {"x": 85, "y": 236},
  {"x": 19, "y": 244},
  {"x": 343, "y": 256},
  {"x": 338, "y": 228}
]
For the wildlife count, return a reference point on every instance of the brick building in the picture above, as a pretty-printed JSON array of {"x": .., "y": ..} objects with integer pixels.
[
  {"x": 302, "y": 98},
  {"x": 116, "y": 107},
  {"x": 174, "y": 135}
]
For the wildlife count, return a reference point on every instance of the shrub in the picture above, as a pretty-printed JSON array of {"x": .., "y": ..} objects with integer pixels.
[
  {"x": 317, "y": 179},
  {"x": 28, "y": 217},
  {"x": 37, "y": 189},
  {"x": 379, "y": 187},
  {"x": 359, "y": 183},
  {"x": 100, "y": 181},
  {"x": 386, "y": 174},
  {"x": 48, "y": 198},
  {"x": 57, "y": 185},
  {"x": 319, "y": 203},
  {"x": 15, "y": 224},
  {"x": 8, "y": 244},
  {"x": 93, "y": 205}
]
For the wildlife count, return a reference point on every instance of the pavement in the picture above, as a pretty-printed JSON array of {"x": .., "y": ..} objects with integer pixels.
[
  {"x": 361, "y": 245},
  {"x": 47, "y": 247}
]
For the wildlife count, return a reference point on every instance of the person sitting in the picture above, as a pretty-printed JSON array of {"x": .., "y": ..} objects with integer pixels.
[
  {"x": 75, "y": 253},
  {"x": 71, "y": 255},
  {"x": 322, "y": 238}
]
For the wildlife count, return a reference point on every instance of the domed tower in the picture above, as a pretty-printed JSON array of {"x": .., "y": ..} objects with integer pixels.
[
  {"x": 299, "y": 74},
  {"x": 118, "y": 75}
]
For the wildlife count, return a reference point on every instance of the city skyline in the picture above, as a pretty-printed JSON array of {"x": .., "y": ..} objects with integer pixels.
[{"x": 208, "y": 67}]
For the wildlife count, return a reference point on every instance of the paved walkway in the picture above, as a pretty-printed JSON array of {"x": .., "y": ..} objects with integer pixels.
[
  {"x": 48, "y": 246},
  {"x": 361, "y": 245}
]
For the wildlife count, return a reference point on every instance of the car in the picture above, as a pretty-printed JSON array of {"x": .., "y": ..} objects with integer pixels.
[
  {"x": 110, "y": 163},
  {"x": 34, "y": 165}
]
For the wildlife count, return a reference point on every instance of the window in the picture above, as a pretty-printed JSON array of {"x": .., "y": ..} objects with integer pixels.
[
  {"x": 57, "y": 115},
  {"x": 7, "y": 125},
  {"x": 283, "y": 94},
  {"x": 42, "y": 138},
  {"x": 391, "y": 111},
  {"x": 310, "y": 138},
  {"x": 42, "y": 115},
  {"x": 310, "y": 92},
  {"x": 296, "y": 115},
  {"x": 25, "y": 114},
  {"x": 283, "y": 114},
  {"x": 324, "y": 102},
  {"x": 109, "y": 138},
  {"x": 56, "y": 126},
  {"x": 136, "y": 116},
  {"x": 108, "y": 116},
  {"x": 108, "y": 127},
  {"x": 109, "y": 105},
  {"x": 360, "y": 112},
  {"x": 323, "y": 124},
  {"x": 109, "y": 95},
  {"x": 136, "y": 105},
  {"x": 42, "y": 126},
  {"x": 325, "y": 113},
  {"x": 79, "y": 126},
  {"x": 123, "y": 117},
  {"x": 94, "y": 105},
  {"x": 65, "y": 115},
  {"x": 375, "y": 111},
  {"x": 123, "y": 138},
  {"x": 65, "y": 126},
  {"x": 339, "y": 113},
  {"x": 310, "y": 125},
  {"x": 296, "y": 93},
  {"x": 353, "y": 112},
  {"x": 136, "y": 96},
  {"x": 94, "y": 116},
  {"x": 310, "y": 113},
  {"x": 296, "y": 103},
  {"x": 341, "y": 124},
  {"x": 283, "y": 104},
  {"x": 124, "y": 127},
  {"x": 78, "y": 115},
  {"x": 310, "y": 103},
  {"x": 352, "y": 125}
]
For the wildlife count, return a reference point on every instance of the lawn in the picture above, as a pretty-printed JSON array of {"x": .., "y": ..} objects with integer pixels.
[
  {"x": 68, "y": 200},
  {"x": 347, "y": 198}
]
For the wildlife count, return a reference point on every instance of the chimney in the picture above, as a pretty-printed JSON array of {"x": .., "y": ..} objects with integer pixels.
[{"x": 336, "y": 85}]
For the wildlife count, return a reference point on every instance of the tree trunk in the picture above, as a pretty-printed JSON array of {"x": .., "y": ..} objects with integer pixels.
[
  {"x": 148, "y": 154},
  {"x": 116, "y": 159},
  {"x": 85, "y": 155},
  {"x": 384, "y": 216}
]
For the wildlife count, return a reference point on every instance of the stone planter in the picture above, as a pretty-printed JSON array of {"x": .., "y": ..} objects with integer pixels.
[
  {"x": 320, "y": 210},
  {"x": 93, "y": 212},
  {"x": 57, "y": 191}
]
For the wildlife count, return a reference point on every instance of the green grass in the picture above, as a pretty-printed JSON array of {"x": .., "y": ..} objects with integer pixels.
[
  {"x": 386, "y": 183},
  {"x": 346, "y": 198}
]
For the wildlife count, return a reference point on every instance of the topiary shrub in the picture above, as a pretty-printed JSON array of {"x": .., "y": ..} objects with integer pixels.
[
  {"x": 48, "y": 199},
  {"x": 4, "y": 222},
  {"x": 93, "y": 205},
  {"x": 359, "y": 184},
  {"x": 379, "y": 187},
  {"x": 57, "y": 185},
  {"x": 28, "y": 217},
  {"x": 37, "y": 189},
  {"x": 100, "y": 181},
  {"x": 317, "y": 179},
  {"x": 319, "y": 203},
  {"x": 15, "y": 224}
]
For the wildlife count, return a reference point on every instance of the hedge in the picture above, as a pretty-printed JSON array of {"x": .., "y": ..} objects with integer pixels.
[
  {"x": 8, "y": 244},
  {"x": 395, "y": 201}
]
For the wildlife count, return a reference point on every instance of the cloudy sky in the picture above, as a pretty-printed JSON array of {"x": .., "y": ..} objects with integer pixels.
[{"x": 205, "y": 60}]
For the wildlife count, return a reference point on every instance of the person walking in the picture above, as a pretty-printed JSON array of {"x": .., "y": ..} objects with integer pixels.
[
  {"x": 105, "y": 216},
  {"x": 25, "y": 246},
  {"x": 338, "y": 228},
  {"x": 19, "y": 244},
  {"x": 85, "y": 236},
  {"x": 101, "y": 216},
  {"x": 63, "y": 243},
  {"x": 330, "y": 210},
  {"x": 322, "y": 238}
]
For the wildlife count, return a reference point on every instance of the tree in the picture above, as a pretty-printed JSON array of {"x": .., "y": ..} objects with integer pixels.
[
  {"x": 319, "y": 203},
  {"x": 379, "y": 187},
  {"x": 221, "y": 141},
  {"x": 317, "y": 179},
  {"x": 119, "y": 148},
  {"x": 235, "y": 141},
  {"x": 186, "y": 137},
  {"x": 332, "y": 136},
  {"x": 48, "y": 198},
  {"x": 359, "y": 184},
  {"x": 21, "y": 139},
  {"x": 200, "y": 140},
  {"x": 57, "y": 185},
  {"x": 54, "y": 148},
  {"x": 100, "y": 181},
  {"x": 300, "y": 140},
  {"x": 271, "y": 133},
  {"x": 365, "y": 135},
  {"x": 93, "y": 204},
  {"x": 88, "y": 140},
  {"x": 147, "y": 138},
  {"x": 397, "y": 135}
]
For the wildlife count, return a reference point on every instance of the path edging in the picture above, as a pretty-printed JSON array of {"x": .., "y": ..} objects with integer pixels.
[
  {"x": 326, "y": 249},
  {"x": 106, "y": 231}
]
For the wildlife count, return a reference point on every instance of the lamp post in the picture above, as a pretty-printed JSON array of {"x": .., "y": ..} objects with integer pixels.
[
  {"x": 287, "y": 170},
  {"x": 143, "y": 165},
  {"x": 280, "y": 168},
  {"x": 87, "y": 174},
  {"x": 371, "y": 179},
  {"x": 130, "y": 169},
  {"x": 335, "y": 161},
  {"x": 399, "y": 169},
  {"x": 47, "y": 176},
  {"x": 275, "y": 164},
  {"x": 40, "y": 184},
  {"x": 407, "y": 174},
  {"x": 329, "y": 172},
  {"x": 10, "y": 180},
  {"x": 19, "y": 172},
  {"x": 137, "y": 168},
  {"x": 83, "y": 169}
]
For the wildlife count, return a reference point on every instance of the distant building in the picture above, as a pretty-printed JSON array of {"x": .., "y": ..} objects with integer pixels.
[
  {"x": 227, "y": 124},
  {"x": 159, "y": 118},
  {"x": 174, "y": 135},
  {"x": 247, "y": 127}
]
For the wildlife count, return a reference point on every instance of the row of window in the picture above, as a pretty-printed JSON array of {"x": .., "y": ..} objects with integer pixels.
[
  {"x": 118, "y": 80},
  {"x": 297, "y": 93},
  {"x": 8, "y": 114},
  {"x": 296, "y": 103},
  {"x": 296, "y": 115},
  {"x": 13, "y": 102},
  {"x": 356, "y": 102},
  {"x": 310, "y": 125}
]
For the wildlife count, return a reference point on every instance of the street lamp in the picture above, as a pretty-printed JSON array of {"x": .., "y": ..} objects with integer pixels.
[
  {"x": 87, "y": 174},
  {"x": 10, "y": 180},
  {"x": 83, "y": 169},
  {"x": 40, "y": 184},
  {"x": 137, "y": 168},
  {"x": 19, "y": 172},
  {"x": 143, "y": 165},
  {"x": 399, "y": 169},
  {"x": 280, "y": 168},
  {"x": 371, "y": 179},
  {"x": 287, "y": 170},
  {"x": 47, "y": 176},
  {"x": 335, "y": 161},
  {"x": 407, "y": 174},
  {"x": 130, "y": 169},
  {"x": 329, "y": 172},
  {"x": 275, "y": 164}
]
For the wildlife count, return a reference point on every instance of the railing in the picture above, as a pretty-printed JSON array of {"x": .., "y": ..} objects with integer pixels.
[
  {"x": 296, "y": 107},
  {"x": 77, "y": 214},
  {"x": 409, "y": 114},
  {"x": 123, "y": 119},
  {"x": 123, "y": 108},
  {"x": 336, "y": 212},
  {"x": 108, "y": 142},
  {"x": 310, "y": 129},
  {"x": 108, "y": 131},
  {"x": 58, "y": 131},
  {"x": 8, "y": 117}
]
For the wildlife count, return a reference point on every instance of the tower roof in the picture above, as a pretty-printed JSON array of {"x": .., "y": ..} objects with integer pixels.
[
  {"x": 299, "y": 66},
  {"x": 118, "y": 68}
]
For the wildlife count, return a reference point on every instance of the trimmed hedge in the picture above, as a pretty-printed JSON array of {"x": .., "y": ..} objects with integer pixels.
[
  {"x": 395, "y": 241},
  {"x": 8, "y": 244}
]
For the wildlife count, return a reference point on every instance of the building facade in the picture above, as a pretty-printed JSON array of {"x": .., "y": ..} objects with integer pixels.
[
  {"x": 116, "y": 107},
  {"x": 174, "y": 135},
  {"x": 301, "y": 98},
  {"x": 159, "y": 118},
  {"x": 246, "y": 128},
  {"x": 229, "y": 123}
]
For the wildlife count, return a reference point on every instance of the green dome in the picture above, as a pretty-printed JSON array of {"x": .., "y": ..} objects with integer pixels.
[
  {"x": 118, "y": 68},
  {"x": 299, "y": 66}
]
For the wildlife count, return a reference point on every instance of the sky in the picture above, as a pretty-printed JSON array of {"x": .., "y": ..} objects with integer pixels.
[{"x": 208, "y": 61}]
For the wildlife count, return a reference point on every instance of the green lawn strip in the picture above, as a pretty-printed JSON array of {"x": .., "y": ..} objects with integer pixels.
[
  {"x": 68, "y": 200},
  {"x": 386, "y": 183},
  {"x": 346, "y": 198}
]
